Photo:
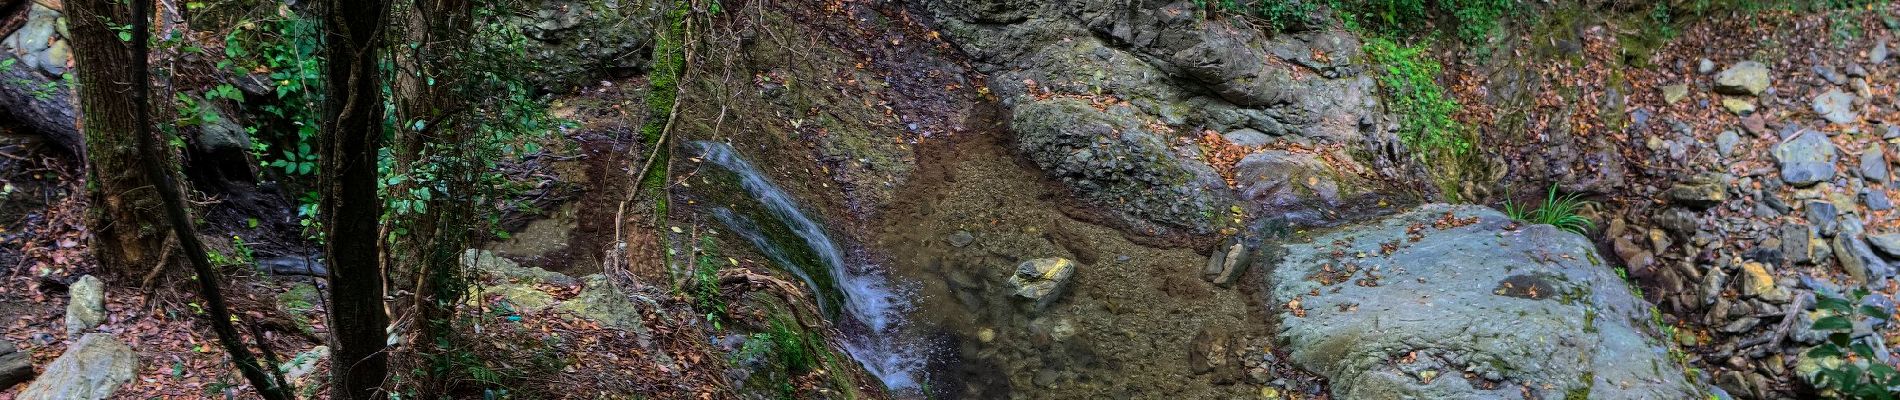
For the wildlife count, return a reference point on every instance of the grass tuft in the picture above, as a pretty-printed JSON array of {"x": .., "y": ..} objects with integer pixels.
[{"x": 1558, "y": 211}]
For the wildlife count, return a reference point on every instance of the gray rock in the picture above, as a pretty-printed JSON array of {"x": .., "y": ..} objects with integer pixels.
[
  {"x": 1829, "y": 74},
  {"x": 1859, "y": 260},
  {"x": 1824, "y": 216},
  {"x": 1879, "y": 54},
  {"x": 1873, "y": 164},
  {"x": 490, "y": 266},
  {"x": 573, "y": 42},
  {"x": 1298, "y": 186},
  {"x": 15, "y": 366},
  {"x": 1876, "y": 199},
  {"x": 1836, "y": 106},
  {"x": 1744, "y": 78},
  {"x": 961, "y": 238},
  {"x": 1806, "y": 159},
  {"x": 1247, "y": 137},
  {"x": 292, "y": 266},
  {"x": 601, "y": 301},
  {"x": 1042, "y": 281},
  {"x": 1705, "y": 66},
  {"x": 91, "y": 369},
  {"x": 1888, "y": 243},
  {"x": 1726, "y": 141},
  {"x": 1227, "y": 263},
  {"x": 1856, "y": 71},
  {"x": 86, "y": 305},
  {"x": 1575, "y": 327},
  {"x": 296, "y": 368},
  {"x": 1110, "y": 157}
]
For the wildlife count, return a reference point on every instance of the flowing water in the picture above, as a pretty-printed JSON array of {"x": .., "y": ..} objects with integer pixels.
[{"x": 870, "y": 310}]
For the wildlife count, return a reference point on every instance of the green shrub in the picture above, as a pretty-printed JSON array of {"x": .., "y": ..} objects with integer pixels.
[
  {"x": 1560, "y": 212},
  {"x": 1410, "y": 84},
  {"x": 1847, "y": 366}
]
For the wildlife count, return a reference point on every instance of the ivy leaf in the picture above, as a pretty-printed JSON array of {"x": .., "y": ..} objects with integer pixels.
[{"x": 1833, "y": 323}]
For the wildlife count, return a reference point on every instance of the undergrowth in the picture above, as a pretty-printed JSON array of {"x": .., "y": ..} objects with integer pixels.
[
  {"x": 1559, "y": 211},
  {"x": 1848, "y": 366}
]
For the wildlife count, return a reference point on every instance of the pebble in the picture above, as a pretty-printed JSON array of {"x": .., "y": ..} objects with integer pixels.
[
  {"x": 1824, "y": 216},
  {"x": 1829, "y": 74},
  {"x": 1738, "y": 106},
  {"x": 1705, "y": 66},
  {"x": 1836, "y": 106},
  {"x": 1726, "y": 141},
  {"x": 1879, "y": 54}
]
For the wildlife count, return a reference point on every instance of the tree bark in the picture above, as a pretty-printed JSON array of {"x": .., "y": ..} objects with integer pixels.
[
  {"x": 127, "y": 227},
  {"x": 349, "y": 206},
  {"x": 433, "y": 135}
]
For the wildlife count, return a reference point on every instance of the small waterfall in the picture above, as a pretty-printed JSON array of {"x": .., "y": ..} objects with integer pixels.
[{"x": 872, "y": 312}]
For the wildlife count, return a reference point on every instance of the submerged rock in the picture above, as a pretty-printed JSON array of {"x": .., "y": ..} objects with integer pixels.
[
  {"x": 91, "y": 369},
  {"x": 1462, "y": 291},
  {"x": 87, "y": 306},
  {"x": 1042, "y": 281}
]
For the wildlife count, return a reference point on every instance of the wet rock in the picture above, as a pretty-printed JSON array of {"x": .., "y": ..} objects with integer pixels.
[
  {"x": 91, "y": 369},
  {"x": 1227, "y": 263},
  {"x": 1836, "y": 106},
  {"x": 86, "y": 307},
  {"x": 1744, "y": 78},
  {"x": 1829, "y": 74},
  {"x": 15, "y": 366},
  {"x": 1700, "y": 193},
  {"x": 1759, "y": 282},
  {"x": 1738, "y": 106},
  {"x": 1674, "y": 93},
  {"x": 1479, "y": 271},
  {"x": 1112, "y": 157},
  {"x": 1042, "y": 281},
  {"x": 1215, "y": 352},
  {"x": 961, "y": 238},
  {"x": 1859, "y": 260},
  {"x": 1298, "y": 186},
  {"x": 1873, "y": 164},
  {"x": 1806, "y": 159},
  {"x": 1726, "y": 141}
]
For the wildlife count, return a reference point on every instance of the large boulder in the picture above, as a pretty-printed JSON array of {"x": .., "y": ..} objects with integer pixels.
[
  {"x": 33, "y": 66},
  {"x": 91, "y": 369},
  {"x": 86, "y": 305},
  {"x": 1462, "y": 302},
  {"x": 1114, "y": 158},
  {"x": 573, "y": 42}
]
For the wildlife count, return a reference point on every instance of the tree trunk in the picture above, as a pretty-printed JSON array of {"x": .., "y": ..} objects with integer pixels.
[
  {"x": 349, "y": 206},
  {"x": 33, "y": 95},
  {"x": 433, "y": 136},
  {"x": 127, "y": 227}
]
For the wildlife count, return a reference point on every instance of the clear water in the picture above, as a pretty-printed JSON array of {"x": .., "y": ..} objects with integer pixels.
[{"x": 873, "y": 311}]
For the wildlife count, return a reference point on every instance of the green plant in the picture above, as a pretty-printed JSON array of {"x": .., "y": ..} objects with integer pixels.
[
  {"x": 1847, "y": 366},
  {"x": 704, "y": 287},
  {"x": 1561, "y": 212},
  {"x": 1410, "y": 84}
]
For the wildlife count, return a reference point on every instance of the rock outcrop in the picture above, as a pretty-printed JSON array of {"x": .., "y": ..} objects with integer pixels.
[{"x": 1461, "y": 302}]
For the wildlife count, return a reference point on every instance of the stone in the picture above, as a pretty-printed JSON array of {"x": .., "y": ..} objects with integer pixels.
[
  {"x": 86, "y": 305},
  {"x": 1879, "y": 54},
  {"x": 1738, "y": 106},
  {"x": 1575, "y": 327},
  {"x": 1806, "y": 159},
  {"x": 1227, "y": 262},
  {"x": 1873, "y": 164},
  {"x": 1759, "y": 282},
  {"x": 1725, "y": 143},
  {"x": 1705, "y": 66},
  {"x": 15, "y": 366},
  {"x": 601, "y": 301},
  {"x": 1876, "y": 199},
  {"x": 1700, "y": 194},
  {"x": 1673, "y": 94},
  {"x": 961, "y": 238},
  {"x": 487, "y": 265},
  {"x": 1836, "y": 106},
  {"x": 1247, "y": 137},
  {"x": 1859, "y": 260},
  {"x": 91, "y": 369},
  {"x": 1855, "y": 70},
  {"x": 1828, "y": 74},
  {"x": 1888, "y": 243},
  {"x": 1042, "y": 281},
  {"x": 1824, "y": 216},
  {"x": 1744, "y": 78},
  {"x": 297, "y": 368}
]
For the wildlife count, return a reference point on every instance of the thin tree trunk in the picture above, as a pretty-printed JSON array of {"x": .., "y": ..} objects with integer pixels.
[
  {"x": 433, "y": 135},
  {"x": 127, "y": 227},
  {"x": 349, "y": 207}
]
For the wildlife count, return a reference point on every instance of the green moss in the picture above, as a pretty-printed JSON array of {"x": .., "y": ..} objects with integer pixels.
[{"x": 1582, "y": 392}]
